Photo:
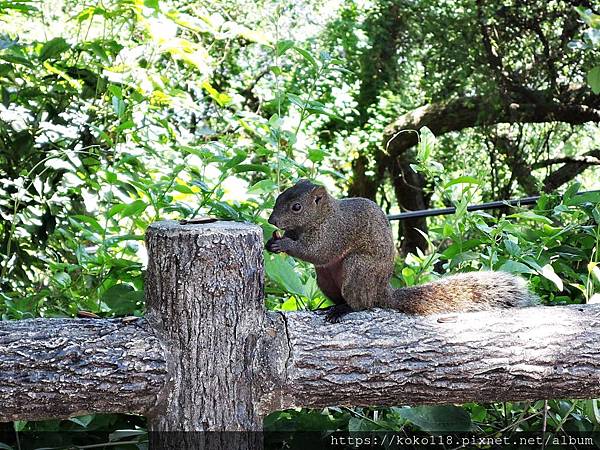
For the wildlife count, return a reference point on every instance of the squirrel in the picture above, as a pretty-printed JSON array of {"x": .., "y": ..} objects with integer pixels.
[{"x": 350, "y": 243}]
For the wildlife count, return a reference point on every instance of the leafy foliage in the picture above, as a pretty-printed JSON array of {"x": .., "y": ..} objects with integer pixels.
[{"x": 117, "y": 114}]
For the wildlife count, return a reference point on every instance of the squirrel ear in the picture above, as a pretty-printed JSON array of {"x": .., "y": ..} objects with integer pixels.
[{"x": 318, "y": 193}]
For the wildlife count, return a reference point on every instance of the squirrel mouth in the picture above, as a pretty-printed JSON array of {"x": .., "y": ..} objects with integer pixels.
[{"x": 291, "y": 233}]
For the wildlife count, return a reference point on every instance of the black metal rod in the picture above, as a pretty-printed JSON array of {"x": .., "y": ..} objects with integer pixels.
[{"x": 483, "y": 206}]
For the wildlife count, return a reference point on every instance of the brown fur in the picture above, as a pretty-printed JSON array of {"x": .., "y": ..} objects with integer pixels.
[{"x": 350, "y": 243}]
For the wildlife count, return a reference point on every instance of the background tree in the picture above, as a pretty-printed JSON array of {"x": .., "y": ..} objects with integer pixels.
[{"x": 503, "y": 72}]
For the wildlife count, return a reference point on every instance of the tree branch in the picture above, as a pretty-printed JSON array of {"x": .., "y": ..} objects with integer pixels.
[
  {"x": 591, "y": 158},
  {"x": 570, "y": 170},
  {"x": 53, "y": 368},
  {"x": 508, "y": 83},
  {"x": 467, "y": 112},
  {"x": 386, "y": 358}
]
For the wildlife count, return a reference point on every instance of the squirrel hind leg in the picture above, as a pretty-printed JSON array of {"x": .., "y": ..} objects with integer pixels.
[
  {"x": 336, "y": 312},
  {"x": 365, "y": 282}
]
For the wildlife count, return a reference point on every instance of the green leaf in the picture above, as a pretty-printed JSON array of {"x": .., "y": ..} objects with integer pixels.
[
  {"x": 512, "y": 248},
  {"x": 62, "y": 279},
  {"x": 594, "y": 269},
  {"x": 151, "y": 4},
  {"x": 183, "y": 189},
  {"x": 275, "y": 121},
  {"x": 426, "y": 144},
  {"x": 437, "y": 418},
  {"x": 128, "y": 124},
  {"x": 307, "y": 56},
  {"x": 98, "y": 50},
  {"x": 263, "y": 187},
  {"x": 463, "y": 180},
  {"x": 280, "y": 270},
  {"x": 530, "y": 215},
  {"x": 241, "y": 168},
  {"x": 82, "y": 421},
  {"x": 120, "y": 238},
  {"x": 92, "y": 222},
  {"x": 583, "y": 198},
  {"x": 20, "y": 425},
  {"x": 219, "y": 97},
  {"x": 464, "y": 257},
  {"x": 16, "y": 59},
  {"x": 118, "y": 106},
  {"x": 516, "y": 267},
  {"x": 283, "y": 46},
  {"x": 224, "y": 210},
  {"x": 18, "y": 6},
  {"x": 296, "y": 100},
  {"x": 458, "y": 247},
  {"x": 548, "y": 272},
  {"x": 593, "y": 79},
  {"x": 316, "y": 155},
  {"x": 408, "y": 274},
  {"x": 478, "y": 413},
  {"x": 571, "y": 191},
  {"x": 122, "y": 299},
  {"x": 115, "y": 90},
  {"x": 291, "y": 304},
  {"x": 238, "y": 158},
  {"x": 135, "y": 208},
  {"x": 53, "y": 48},
  {"x": 593, "y": 411}
]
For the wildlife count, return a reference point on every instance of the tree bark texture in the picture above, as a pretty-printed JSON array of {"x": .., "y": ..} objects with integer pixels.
[
  {"x": 385, "y": 358},
  {"x": 52, "y": 368},
  {"x": 204, "y": 294}
]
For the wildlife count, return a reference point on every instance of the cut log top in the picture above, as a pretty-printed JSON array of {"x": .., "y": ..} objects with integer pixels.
[{"x": 220, "y": 227}]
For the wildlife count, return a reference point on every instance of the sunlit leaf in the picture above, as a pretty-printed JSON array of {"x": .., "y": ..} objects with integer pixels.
[{"x": 548, "y": 272}]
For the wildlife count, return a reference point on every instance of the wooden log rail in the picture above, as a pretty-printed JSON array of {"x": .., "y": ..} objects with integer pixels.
[{"x": 208, "y": 357}]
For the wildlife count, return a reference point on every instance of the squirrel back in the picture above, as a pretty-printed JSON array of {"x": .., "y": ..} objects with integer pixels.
[{"x": 351, "y": 245}]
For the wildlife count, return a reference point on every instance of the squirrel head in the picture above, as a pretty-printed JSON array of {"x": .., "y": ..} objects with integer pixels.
[{"x": 302, "y": 206}]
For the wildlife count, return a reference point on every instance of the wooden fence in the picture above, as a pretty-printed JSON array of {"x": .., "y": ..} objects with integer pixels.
[{"x": 209, "y": 357}]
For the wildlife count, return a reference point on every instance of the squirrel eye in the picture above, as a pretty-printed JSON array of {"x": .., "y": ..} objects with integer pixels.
[{"x": 296, "y": 207}]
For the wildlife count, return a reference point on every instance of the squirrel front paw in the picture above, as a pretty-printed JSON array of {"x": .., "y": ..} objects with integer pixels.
[
  {"x": 278, "y": 245},
  {"x": 272, "y": 245}
]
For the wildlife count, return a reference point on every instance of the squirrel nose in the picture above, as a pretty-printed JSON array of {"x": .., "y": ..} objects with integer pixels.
[{"x": 272, "y": 220}]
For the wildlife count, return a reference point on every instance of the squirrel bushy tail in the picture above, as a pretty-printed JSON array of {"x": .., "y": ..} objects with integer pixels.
[{"x": 472, "y": 291}]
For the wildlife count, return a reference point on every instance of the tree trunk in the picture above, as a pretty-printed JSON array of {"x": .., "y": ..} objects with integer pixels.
[
  {"x": 409, "y": 187},
  {"x": 570, "y": 170},
  {"x": 53, "y": 368},
  {"x": 204, "y": 294}
]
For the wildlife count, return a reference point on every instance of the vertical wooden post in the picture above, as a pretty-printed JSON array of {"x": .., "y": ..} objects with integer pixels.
[{"x": 204, "y": 294}]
